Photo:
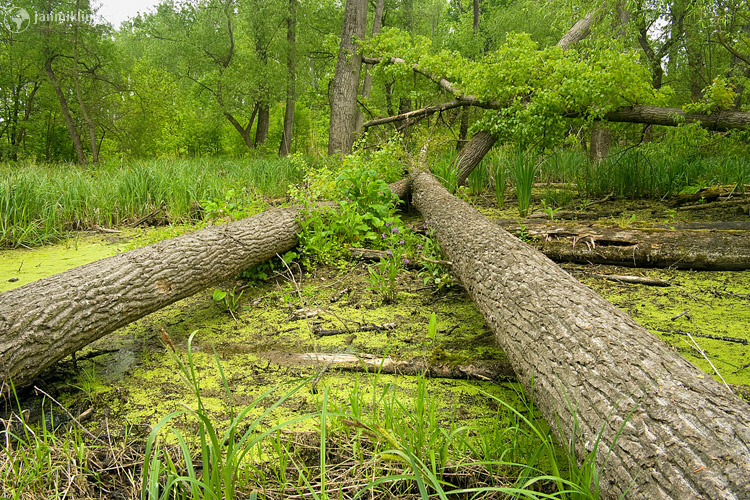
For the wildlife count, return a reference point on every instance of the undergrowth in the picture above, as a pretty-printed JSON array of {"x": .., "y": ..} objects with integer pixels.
[
  {"x": 39, "y": 203},
  {"x": 383, "y": 446}
]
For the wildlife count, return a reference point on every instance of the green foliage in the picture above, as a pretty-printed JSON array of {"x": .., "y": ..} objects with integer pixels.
[
  {"x": 215, "y": 473},
  {"x": 233, "y": 205},
  {"x": 364, "y": 215},
  {"x": 230, "y": 301},
  {"x": 444, "y": 169},
  {"x": 716, "y": 97},
  {"x": 535, "y": 87}
]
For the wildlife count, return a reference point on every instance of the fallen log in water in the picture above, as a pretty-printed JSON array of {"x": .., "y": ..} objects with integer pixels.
[
  {"x": 689, "y": 247},
  {"x": 667, "y": 429},
  {"x": 44, "y": 321},
  {"x": 489, "y": 370}
]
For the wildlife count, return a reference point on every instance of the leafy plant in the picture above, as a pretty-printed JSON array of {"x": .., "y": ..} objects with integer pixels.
[
  {"x": 229, "y": 300},
  {"x": 382, "y": 277},
  {"x": 717, "y": 96},
  {"x": 522, "y": 234},
  {"x": 550, "y": 211},
  {"x": 234, "y": 205}
]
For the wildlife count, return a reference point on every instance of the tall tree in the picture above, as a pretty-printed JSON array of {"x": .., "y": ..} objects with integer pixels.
[
  {"x": 291, "y": 93},
  {"x": 343, "y": 122}
]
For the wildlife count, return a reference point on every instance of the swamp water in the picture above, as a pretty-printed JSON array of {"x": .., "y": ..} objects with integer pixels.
[{"x": 129, "y": 380}]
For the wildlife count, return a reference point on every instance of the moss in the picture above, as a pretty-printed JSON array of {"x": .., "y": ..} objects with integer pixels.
[{"x": 716, "y": 303}]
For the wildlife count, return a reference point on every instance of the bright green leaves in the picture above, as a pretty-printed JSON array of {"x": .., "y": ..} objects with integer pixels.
[
  {"x": 535, "y": 88},
  {"x": 717, "y": 96}
]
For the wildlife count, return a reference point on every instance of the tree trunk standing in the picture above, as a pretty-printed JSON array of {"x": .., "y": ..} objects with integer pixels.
[
  {"x": 697, "y": 80},
  {"x": 667, "y": 429},
  {"x": 291, "y": 91},
  {"x": 346, "y": 80},
  {"x": 475, "y": 21},
  {"x": 90, "y": 125},
  {"x": 377, "y": 24},
  {"x": 72, "y": 132},
  {"x": 44, "y": 321},
  {"x": 601, "y": 135},
  {"x": 599, "y": 143},
  {"x": 470, "y": 156},
  {"x": 243, "y": 131},
  {"x": 21, "y": 127},
  {"x": 261, "y": 131}
]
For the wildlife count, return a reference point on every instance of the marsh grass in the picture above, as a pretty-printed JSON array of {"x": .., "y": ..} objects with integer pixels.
[
  {"x": 524, "y": 168},
  {"x": 645, "y": 172},
  {"x": 369, "y": 443},
  {"x": 54, "y": 459},
  {"x": 39, "y": 203}
]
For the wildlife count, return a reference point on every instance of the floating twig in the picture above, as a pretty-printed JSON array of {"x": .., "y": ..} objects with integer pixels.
[
  {"x": 704, "y": 335},
  {"x": 363, "y": 328}
]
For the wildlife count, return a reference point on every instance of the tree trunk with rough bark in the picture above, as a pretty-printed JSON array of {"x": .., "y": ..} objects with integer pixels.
[
  {"x": 599, "y": 143},
  {"x": 660, "y": 428},
  {"x": 344, "y": 110},
  {"x": 471, "y": 154},
  {"x": 672, "y": 117},
  {"x": 264, "y": 119},
  {"x": 44, "y": 321}
]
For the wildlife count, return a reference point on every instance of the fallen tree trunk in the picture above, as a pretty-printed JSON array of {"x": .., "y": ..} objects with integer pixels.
[
  {"x": 44, "y": 321},
  {"x": 660, "y": 428},
  {"x": 488, "y": 370},
  {"x": 700, "y": 249}
]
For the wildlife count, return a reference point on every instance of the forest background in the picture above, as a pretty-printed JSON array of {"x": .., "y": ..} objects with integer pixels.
[{"x": 216, "y": 78}]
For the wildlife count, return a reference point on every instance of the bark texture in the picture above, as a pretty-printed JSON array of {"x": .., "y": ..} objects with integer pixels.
[
  {"x": 344, "y": 111},
  {"x": 578, "y": 32},
  {"x": 44, "y": 321},
  {"x": 592, "y": 369},
  {"x": 470, "y": 156}
]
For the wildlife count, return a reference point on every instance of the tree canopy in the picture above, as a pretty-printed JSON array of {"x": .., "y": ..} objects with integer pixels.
[{"x": 208, "y": 77}]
